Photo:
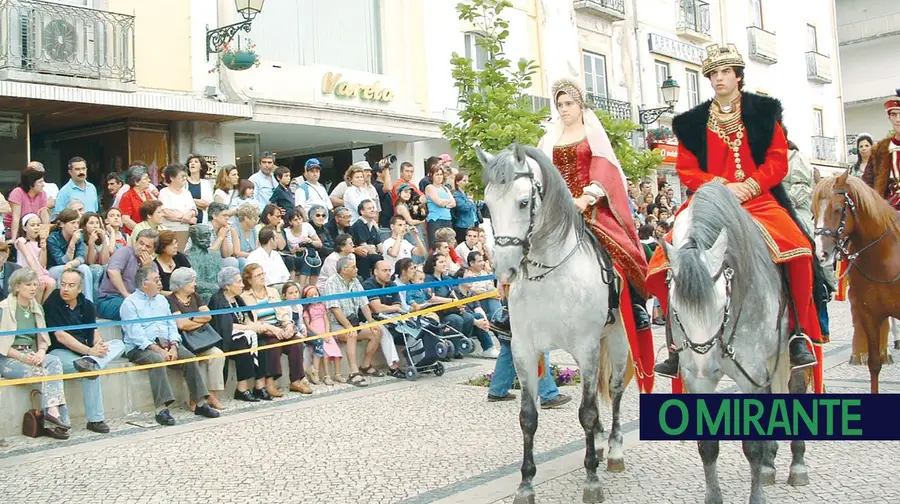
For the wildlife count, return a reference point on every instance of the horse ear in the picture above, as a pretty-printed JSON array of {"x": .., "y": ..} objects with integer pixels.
[
  {"x": 668, "y": 252},
  {"x": 842, "y": 178},
  {"x": 483, "y": 157},
  {"x": 715, "y": 256},
  {"x": 519, "y": 152}
]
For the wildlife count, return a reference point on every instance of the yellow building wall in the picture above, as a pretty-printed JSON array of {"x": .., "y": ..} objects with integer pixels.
[
  {"x": 403, "y": 49},
  {"x": 162, "y": 41}
]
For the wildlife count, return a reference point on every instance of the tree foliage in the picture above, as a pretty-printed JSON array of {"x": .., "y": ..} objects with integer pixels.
[
  {"x": 635, "y": 163},
  {"x": 495, "y": 110}
]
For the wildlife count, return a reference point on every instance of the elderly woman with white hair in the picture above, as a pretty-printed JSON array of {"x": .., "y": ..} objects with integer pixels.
[
  {"x": 240, "y": 331},
  {"x": 25, "y": 355},
  {"x": 184, "y": 299}
]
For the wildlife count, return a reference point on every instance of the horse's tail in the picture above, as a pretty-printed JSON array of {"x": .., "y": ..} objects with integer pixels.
[{"x": 606, "y": 369}]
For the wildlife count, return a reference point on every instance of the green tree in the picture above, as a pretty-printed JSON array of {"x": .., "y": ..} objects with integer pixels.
[
  {"x": 635, "y": 163},
  {"x": 494, "y": 108}
]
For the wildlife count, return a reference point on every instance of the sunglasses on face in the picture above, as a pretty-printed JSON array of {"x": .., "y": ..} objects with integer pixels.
[{"x": 319, "y": 215}]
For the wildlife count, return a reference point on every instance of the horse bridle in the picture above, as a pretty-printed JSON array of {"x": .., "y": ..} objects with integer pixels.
[
  {"x": 537, "y": 191},
  {"x": 841, "y": 244}
]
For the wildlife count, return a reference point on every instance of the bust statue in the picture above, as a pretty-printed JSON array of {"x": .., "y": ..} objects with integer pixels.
[{"x": 205, "y": 262}]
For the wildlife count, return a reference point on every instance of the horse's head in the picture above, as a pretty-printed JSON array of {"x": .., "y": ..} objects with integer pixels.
[
  {"x": 519, "y": 182},
  {"x": 834, "y": 211}
]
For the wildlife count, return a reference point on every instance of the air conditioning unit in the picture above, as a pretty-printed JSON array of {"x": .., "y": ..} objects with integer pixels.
[{"x": 61, "y": 45}]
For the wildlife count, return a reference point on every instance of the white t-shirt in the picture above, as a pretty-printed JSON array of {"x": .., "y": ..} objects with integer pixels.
[
  {"x": 406, "y": 250},
  {"x": 182, "y": 202},
  {"x": 318, "y": 195},
  {"x": 229, "y": 199},
  {"x": 272, "y": 264},
  {"x": 353, "y": 196},
  {"x": 463, "y": 251},
  {"x": 306, "y": 231}
]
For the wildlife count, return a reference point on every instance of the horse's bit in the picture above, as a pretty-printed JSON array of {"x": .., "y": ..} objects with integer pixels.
[
  {"x": 841, "y": 244},
  {"x": 537, "y": 191}
]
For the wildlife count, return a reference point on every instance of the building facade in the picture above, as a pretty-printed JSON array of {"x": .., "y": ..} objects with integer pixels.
[{"x": 868, "y": 33}]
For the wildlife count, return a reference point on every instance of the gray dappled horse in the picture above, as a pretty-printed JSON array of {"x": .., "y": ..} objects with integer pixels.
[
  {"x": 559, "y": 289},
  {"x": 728, "y": 316}
]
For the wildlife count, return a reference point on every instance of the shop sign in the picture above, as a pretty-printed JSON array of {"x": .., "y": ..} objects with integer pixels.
[
  {"x": 335, "y": 84},
  {"x": 669, "y": 152}
]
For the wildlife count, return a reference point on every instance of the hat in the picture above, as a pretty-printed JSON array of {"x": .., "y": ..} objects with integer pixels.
[
  {"x": 570, "y": 87},
  {"x": 720, "y": 57},
  {"x": 364, "y": 165},
  {"x": 445, "y": 158},
  {"x": 892, "y": 103},
  {"x": 312, "y": 163},
  {"x": 403, "y": 187},
  {"x": 28, "y": 217}
]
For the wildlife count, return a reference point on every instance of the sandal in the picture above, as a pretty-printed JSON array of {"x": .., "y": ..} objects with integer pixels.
[
  {"x": 357, "y": 380},
  {"x": 339, "y": 378},
  {"x": 327, "y": 380},
  {"x": 371, "y": 371},
  {"x": 398, "y": 373},
  {"x": 313, "y": 377}
]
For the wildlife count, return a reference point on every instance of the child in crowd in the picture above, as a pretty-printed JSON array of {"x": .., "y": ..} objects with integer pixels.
[
  {"x": 420, "y": 298},
  {"x": 315, "y": 315},
  {"x": 282, "y": 196},
  {"x": 30, "y": 247}
]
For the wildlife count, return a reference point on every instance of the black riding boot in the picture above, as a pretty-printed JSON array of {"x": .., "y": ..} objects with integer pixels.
[
  {"x": 641, "y": 317},
  {"x": 801, "y": 356},
  {"x": 669, "y": 367}
]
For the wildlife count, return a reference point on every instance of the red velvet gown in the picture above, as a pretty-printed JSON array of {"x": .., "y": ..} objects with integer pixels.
[
  {"x": 610, "y": 220},
  {"x": 787, "y": 243}
]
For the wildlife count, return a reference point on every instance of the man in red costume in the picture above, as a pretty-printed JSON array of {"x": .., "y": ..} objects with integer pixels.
[
  {"x": 737, "y": 140},
  {"x": 581, "y": 150},
  {"x": 883, "y": 172}
]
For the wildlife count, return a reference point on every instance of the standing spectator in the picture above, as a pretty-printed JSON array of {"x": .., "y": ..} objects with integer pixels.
[
  {"x": 133, "y": 199},
  {"x": 179, "y": 211},
  {"x": 407, "y": 171},
  {"x": 396, "y": 247},
  {"x": 115, "y": 188},
  {"x": 184, "y": 299},
  {"x": 382, "y": 185},
  {"x": 32, "y": 253},
  {"x": 168, "y": 259},
  {"x": 440, "y": 202},
  {"x": 66, "y": 249},
  {"x": 465, "y": 214},
  {"x": 118, "y": 283},
  {"x": 27, "y": 198},
  {"x": 311, "y": 191},
  {"x": 864, "y": 143},
  {"x": 80, "y": 349},
  {"x": 248, "y": 216},
  {"x": 25, "y": 355},
  {"x": 226, "y": 190},
  {"x": 224, "y": 236},
  {"x": 431, "y": 164},
  {"x": 367, "y": 238},
  {"x": 263, "y": 181},
  {"x": 410, "y": 206},
  {"x": 155, "y": 342},
  {"x": 151, "y": 214},
  {"x": 198, "y": 185},
  {"x": 266, "y": 256},
  {"x": 468, "y": 244},
  {"x": 282, "y": 197},
  {"x": 240, "y": 331},
  {"x": 345, "y": 312},
  {"x": 77, "y": 188},
  {"x": 246, "y": 195},
  {"x": 356, "y": 192}
]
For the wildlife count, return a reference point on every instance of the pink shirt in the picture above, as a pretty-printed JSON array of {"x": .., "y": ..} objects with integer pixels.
[
  {"x": 26, "y": 202},
  {"x": 315, "y": 317},
  {"x": 33, "y": 250}
]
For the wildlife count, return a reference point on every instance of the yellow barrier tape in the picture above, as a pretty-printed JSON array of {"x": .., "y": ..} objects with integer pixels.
[{"x": 199, "y": 358}]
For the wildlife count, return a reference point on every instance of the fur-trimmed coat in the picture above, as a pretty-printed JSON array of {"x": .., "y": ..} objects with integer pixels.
[{"x": 878, "y": 172}]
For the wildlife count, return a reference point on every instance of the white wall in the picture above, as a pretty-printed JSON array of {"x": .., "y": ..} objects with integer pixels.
[
  {"x": 851, "y": 11},
  {"x": 867, "y": 70}
]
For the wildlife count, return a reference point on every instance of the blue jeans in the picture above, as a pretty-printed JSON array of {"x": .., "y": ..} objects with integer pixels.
[
  {"x": 505, "y": 373},
  {"x": 90, "y": 389},
  {"x": 484, "y": 337},
  {"x": 86, "y": 274},
  {"x": 491, "y": 307},
  {"x": 108, "y": 306}
]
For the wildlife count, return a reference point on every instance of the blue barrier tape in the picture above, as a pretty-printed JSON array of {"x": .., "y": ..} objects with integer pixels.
[{"x": 222, "y": 311}]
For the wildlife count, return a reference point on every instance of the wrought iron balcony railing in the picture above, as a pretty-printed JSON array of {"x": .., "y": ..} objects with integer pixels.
[
  {"x": 824, "y": 148},
  {"x": 613, "y": 10},
  {"x": 693, "y": 19},
  {"x": 616, "y": 108},
  {"x": 66, "y": 40}
]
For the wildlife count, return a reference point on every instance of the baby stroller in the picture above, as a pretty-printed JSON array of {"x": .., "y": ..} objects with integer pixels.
[
  {"x": 451, "y": 339},
  {"x": 420, "y": 347}
]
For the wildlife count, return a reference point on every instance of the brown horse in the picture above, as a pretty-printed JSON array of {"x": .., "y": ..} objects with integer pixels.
[{"x": 856, "y": 223}]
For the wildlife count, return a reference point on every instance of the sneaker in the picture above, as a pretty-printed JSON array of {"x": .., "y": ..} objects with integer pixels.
[
  {"x": 556, "y": 402},
  {"x": 491, "y": 353},
  {"x": 86, "y": 365},
  {"x": 507, "y": 397}
]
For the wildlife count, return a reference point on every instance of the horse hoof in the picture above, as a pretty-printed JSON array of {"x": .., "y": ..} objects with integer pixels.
[
  {"x": 713, "y": 499},
  {"x": 593, "y": 495},
  {"x": 615, "y": 465},
  {"x": 601, "y": 453},
  {"x": 798, "y": 478},
  {"x": 767, "y": 478},
  {"x": 524, "y": 497}
]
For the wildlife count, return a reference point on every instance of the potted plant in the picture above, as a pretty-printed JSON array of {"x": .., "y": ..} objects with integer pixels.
[
  {"x": 660, "y": 135},
  {"x": 239, "y": 58}
]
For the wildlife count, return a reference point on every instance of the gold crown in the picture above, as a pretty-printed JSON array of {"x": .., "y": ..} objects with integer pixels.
[
  {"x": 572, "y": 88},
  {"x": 721, "y": 56}
]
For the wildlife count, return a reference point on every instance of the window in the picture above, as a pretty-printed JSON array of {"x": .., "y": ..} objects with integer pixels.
[
  {"x": 811, "y": 34},
  {"x": 756, "y": 15},
  {"x": 818, "y": 122},
  {"x": 480, "y": 58},
  {"x": 662, "y": 73},
  {"x": 595, "y": 74},
  {"x": 693, "y": 88}
]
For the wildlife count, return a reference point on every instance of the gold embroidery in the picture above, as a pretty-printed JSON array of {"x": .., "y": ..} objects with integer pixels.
[
  {"x": 777, "y": 255},
  {"x": 726, "y": 123},
  {"x": 754, "y": 186}
]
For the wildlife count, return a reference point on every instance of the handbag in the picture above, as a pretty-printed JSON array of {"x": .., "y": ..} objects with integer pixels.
[
  {"x": 311, "y": 258},
  {"x": 33, "y": 421},
  {"x": 201, "y": 339}
]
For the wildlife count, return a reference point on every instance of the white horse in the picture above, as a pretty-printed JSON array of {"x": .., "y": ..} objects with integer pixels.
[{"x": 559, "y": 296}]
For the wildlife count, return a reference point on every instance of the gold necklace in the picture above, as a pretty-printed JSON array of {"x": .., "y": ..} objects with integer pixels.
[{"x": 724, "y": 124}]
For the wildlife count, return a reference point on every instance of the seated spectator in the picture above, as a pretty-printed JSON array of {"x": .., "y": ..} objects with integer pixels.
[
  {"x": 345, "y": 312},
  {"x": 77, "y": 205},
  {"x": 277, "y": 326},
  {"x": 435, "y": 269},
  {"x": 151, "y": 212},
  {"x": 481, "y": 326},
  {"x": 6, "y": 269},
  {"x": 397, "y": 247},
  {"x": 270, "y": 260},
  {"x": 340, "y": 223},
  {"x": 343, "y": 247},
  {"x": 240, "y": 331},
  {"x": 386, "y": 306},
  {"x": 113, "y": 219},
  {"x": 80, "y": 349},
  {"x": 445, "y": 249},
  {"x": 246, "y": 195},
  {"x": 118, "y": 283},
  {"x": 222, "y": 237},
  {"x": 304, "y": 244},
  {"x": 245, "y": 232},
  {"x": 66, "y": 249},
  {"x": 468, "y": 246},
  {"x": 25, "y": 355},
  {"x": 32, "y": 253},
  {"x": 404, "y": 269},
  {"x": 184, "y": 299},
  {"x": 154, "y": 342},
  {"x": 449, "y": 235},
  {"x": 477, "y": 268},
  {"x": 168, "y": 258},
  {"x": 367, "y": 238},
  {"x": 485, "y": 248},
  {"x": 318, "y": 219},
  {"x": 282, "y": 196},
  {"x": 419, "y": 298},
  {"x": 99, "y": 248},
  {"x": 226, "y": 188}
]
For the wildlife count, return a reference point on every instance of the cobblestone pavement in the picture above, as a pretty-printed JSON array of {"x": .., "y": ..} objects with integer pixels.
[{"x": 433, "y": 440}]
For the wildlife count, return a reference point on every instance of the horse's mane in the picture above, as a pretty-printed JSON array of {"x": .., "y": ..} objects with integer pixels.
[
  {"x": 868, "y": 202},
  {"x": 557, "y": 214},
  {"x": 714, "y": 208}
]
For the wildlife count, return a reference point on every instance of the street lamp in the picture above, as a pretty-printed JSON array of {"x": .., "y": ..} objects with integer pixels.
[
  {"x": 670, "y": 90},
  {"x": 217, "y": 39}
]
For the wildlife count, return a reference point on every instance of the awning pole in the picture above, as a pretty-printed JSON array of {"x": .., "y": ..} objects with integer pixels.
[{"x": 27, "y": 137}]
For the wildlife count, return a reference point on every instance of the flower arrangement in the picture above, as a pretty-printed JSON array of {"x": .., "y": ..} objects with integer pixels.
[
  {"x": 661, "y": 134},
  {"x": 562, "y": 376},
  {"x": 237, "y": 58}
]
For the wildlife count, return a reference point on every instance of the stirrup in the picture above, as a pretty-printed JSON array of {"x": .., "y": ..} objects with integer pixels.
[{"x": 800, "y": 335}]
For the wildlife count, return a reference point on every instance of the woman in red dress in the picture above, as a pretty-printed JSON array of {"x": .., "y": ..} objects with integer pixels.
[
  {"x": 581, "y": 150},
  {"x": 130, "y": 204}
]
